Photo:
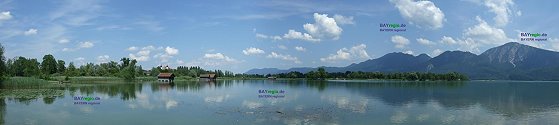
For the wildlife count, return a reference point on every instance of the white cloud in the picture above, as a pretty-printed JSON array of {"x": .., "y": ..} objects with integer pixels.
[
  {"x": 323, "y": 27},
  {"x": 282, "y": 47},
  {"x": 448, "y": 40},
  {"x": 283, "y": 57},
  {"x": 554, "y": 43},
  {"x": 180, "y": 62},
  {"x": 219, "y": 56},
  {"x": 144, "y": 53},
  {"x": 103, "y": 59},
  {"x": 76, "y": 13},
  {"x": 276, "y": 37},
  {"x": 86, "y": 44},
  {"x": 261, "y": 36},
  {"x": 141, "y": 56},
  {"x": 400, "y": 41},
  {"x": 253, "y": 51},
  {"x": 341, "y": 54},
  {"x": 62, "y": 41},
  {"x": 5, "y": 15},
  {"x": 408, "y": 52},
  {"x": 425, "y": 41},
  {"x": 292, "y": 34},
  {"x": 436, "y": 52},
  {"x": 343, "y": 20},
  {"x": 171, "y": 51},
  {"x": 215, "y": 60},
  {"x": 301, "y": 49},
  {"x": 30, "y": 32},
  {"x": 132, "y": 48},
  {"x": 423, "y": 14},
  {"x": 163, "y": 57},
  {"x": 164, "y": 54},
  {"x": 354, "y": 53},
  {"x": 468, "y": 44},
  {"x": 486, "y": 34},
  {"x": 502, "y": 10},
  {"x": 80, "y": 60},
  {"x": 66, "y": 49}
]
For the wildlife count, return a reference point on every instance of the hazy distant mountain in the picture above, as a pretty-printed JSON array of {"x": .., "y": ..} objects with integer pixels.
[
  {"x": 392, "y": 62},
  {"x": 512, "y": 61}
]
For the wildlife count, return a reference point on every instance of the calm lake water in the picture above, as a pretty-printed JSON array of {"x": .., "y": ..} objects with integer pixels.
[{"x": 291, "y": 102}]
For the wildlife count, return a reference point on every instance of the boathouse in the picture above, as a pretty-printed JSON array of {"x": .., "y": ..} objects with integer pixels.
[
  {"x": 207, "y": 77},
  {"x": 166, "y": 77}
]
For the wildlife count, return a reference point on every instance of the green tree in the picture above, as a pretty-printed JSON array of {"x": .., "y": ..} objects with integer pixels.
[
  {"x": 48, "y": 66},
  {"x": 311, "y": 75},
  {"x": 125, "y": 62},
  {"x": 72, "y": 71},
  {"x": 9, "y": 67},
  {"x": 139, "y": 71},
  {"x": 3, "y": 69},
  {"x": 128, "y": 71},
  {"x": 61, "y": 66},
  {"x": 31, "y": 68},
  {"x": 154, "y": 71},
  {"x": 18, "y": 66},
  {"x": 322, "y": 74}
]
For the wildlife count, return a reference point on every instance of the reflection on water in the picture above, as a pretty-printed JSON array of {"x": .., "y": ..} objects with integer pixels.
[
  {"x": 2, "y": 110},
  {"x": 304, "y": 102}
]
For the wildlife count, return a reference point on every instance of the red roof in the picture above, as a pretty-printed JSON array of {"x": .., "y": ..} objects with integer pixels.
[
  {"x": 207, "y": 76},
  {"x": 165, "y": 75}
]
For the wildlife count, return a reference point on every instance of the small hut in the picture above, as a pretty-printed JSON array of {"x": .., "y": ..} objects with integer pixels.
[
  {"x": 207, "y": 77},
  {"x": 272, "y": 78},
  {"x": 166, "y": 77}
]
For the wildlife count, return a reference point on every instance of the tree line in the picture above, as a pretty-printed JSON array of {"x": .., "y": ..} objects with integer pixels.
[
  {"x": 192, "y": 71},
  {"x": 29, "y": 67},
  {"x": 126, "y": 68},
  {"x": 321, "y": 74},
  {"x": 49, "y": 66}
]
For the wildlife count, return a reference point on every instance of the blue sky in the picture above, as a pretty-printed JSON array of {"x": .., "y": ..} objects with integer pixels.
[{"x": 241, "y": 35}]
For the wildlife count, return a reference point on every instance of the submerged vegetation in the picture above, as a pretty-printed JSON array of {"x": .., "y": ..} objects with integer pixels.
[{"x": 31, "y": 93}]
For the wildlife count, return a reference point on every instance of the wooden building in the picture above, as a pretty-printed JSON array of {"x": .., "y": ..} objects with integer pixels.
[
  {"x": 207, "y": 77},
  {"x": 166, "y": 77}
]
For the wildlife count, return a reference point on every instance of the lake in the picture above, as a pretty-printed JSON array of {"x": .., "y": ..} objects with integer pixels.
[{"x": 290, "y": 102}]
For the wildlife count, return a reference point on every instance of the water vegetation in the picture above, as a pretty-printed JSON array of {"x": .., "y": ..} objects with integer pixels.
[{"x": 31, "y": 93}]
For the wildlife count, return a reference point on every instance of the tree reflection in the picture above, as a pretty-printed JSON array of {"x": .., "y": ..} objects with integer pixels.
[
  {"x": 512, "y": 99},
  {"x": 2, "y": 110},
  {"x": 126, "y": 91},
  {"x": 48, "y": 100},
  {"x": 319, "y": 84}
]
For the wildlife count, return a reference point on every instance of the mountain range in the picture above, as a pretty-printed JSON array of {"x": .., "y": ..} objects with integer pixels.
[{"x": 511, "y": 61}]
